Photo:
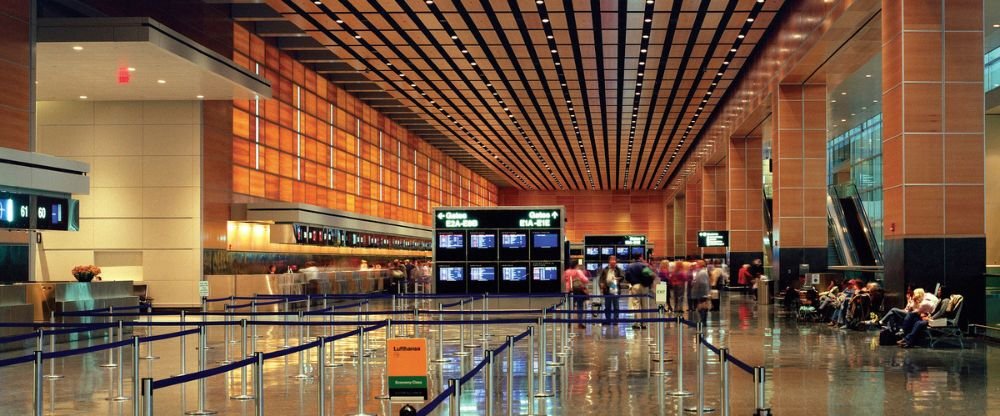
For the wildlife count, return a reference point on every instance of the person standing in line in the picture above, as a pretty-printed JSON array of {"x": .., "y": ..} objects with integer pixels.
[
  {"x": 610, "y": 279},
  {"x": 698, "y": 295},
  {"x": 576, "y": 284},
  {"x": 663, "y": 278},
  {"x": 679, "y": 279},
  {"x": 640, "y": 278}
]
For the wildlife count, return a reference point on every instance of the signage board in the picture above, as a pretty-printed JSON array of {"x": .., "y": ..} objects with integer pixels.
[
  {"x": 713, "y": 239},
  {"x": 15, "y": 210},
  {"x": 488, "y": 218},
  {"x": 203, "y": 289},
  {"x": 614, "y": 240},
  {"x": 661, "y": 294},
  {"x": 407, "y": 369}
]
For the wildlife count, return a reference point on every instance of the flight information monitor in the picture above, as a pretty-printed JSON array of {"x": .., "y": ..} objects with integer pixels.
[
  {"x": 514, "y": 273},
  {"x": 478, "y": 240},
  {"x": 451, "y": 241},
  {"x": 593, "y": 267},
  {"x": 450, "y": 246},
  {"x": 545, "y": 273},
  {"x": 622, "y": 253},
  {"x": 514, "y": 240},
  {"x": 545, "y": 240},
  {"x": 638, "y": 252},
  {"x": 607, "y": 251},
  {"x": 451, "y": 273},
  {"x": 592, "y": 252},
  {"x": 482, "y": 273}
]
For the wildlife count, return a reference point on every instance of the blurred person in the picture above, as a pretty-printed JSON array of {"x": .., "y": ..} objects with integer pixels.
[
  {"x": 576, "y": 283},
  {"x": 610, "y": 280},
  {"x": 663, "y": 278},
  {"x": 698, "y": 295},
  {"x": 639, "y": 277},
  {"x": 679, "y": 280}
]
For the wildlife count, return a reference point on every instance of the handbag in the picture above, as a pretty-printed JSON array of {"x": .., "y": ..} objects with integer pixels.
[
  {"x": 713, "y": 294},
  {"x": 704, "y": 304}
]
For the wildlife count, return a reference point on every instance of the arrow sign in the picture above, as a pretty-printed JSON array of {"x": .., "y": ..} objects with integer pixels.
[
  {"x": 555, "y": 214},
  {"x": 440, "y": 215}
]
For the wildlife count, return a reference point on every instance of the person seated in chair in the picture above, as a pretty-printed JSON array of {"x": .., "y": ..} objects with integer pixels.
[
  {"x": 895, "y": 316},
  {"x": 918, "y": 325}
]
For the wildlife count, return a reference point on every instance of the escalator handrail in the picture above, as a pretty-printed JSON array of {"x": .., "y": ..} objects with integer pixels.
[
  {"x": 870, "y": 235},
  {"x": 835, "y": 213}
]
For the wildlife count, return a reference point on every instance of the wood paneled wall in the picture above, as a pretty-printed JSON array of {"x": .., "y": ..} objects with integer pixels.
[
  {"x": 692, "y": 212},
  {"x": 745, "y": 205},
  {"x": 713, "y": 202},
  {"x": 314, "y": 143},
  {"x": 603, "y": 212},
  {"x": 15, "y": 75}
]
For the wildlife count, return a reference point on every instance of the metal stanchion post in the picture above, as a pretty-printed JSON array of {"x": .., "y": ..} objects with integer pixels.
[
  {"x": 556, "y": 362},
  {"x": 700, "y": 408},
  {"x": 147, "y": 396},
  {"x": 38, "y": 370},
  {"x": 540, "y": 366},
  {"x": 202, "y": 343},
  {"x": 530, "y": 378},
  {"x": 680, "y": 361},
  {"x": 570, "y": 300},
  {"x": 320, "y": 353},
  {"x": 149, "y": 332},
  {"x": 333, "y": 346},
  {"x": 225, "y": 343},
  {"x": 661, "y": 358},
  {"x": 486, "y": 308},
  {"x": 489, "y": 382},
  {"x": 461, "y": 331},
  {"x": 760, "y": 406},
  {"x": 440, "y": 338},
  {"x": 362, "y": 377},
  {"x": 244, "y": 395},
  {"x": 136, "y": 388},
  {"x": 183, "y": 343},
  {"x": 204, "y": 319},
  {"x": 454, "y": 399},
  {"x": 111, "y": 338},
  {"x": 258, "y": 383},
  {"x": 303, "y": 371},
  {"x": 52, "y": 348},
  {"x": 385, "y": 383},
  {"x": 368, "y": 350},
  {"x": 724, "y": 375},
  {"x": 510, "y": 375},
  {"x": 284, "y": 327},
  {"x": 121, "y": 364}
]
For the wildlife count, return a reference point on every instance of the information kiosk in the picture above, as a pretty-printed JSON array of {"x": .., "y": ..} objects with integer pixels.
[{"x": 498, "y": 249}]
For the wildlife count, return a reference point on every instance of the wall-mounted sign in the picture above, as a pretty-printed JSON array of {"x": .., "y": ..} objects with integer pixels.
[
  {"x": 407, "y": 368},
  {"x": 468, "y": 219},
  {"x": 15, "y": 210},
  {"x": 713, "y": 238},
  {"x": 326, "y": 236}
]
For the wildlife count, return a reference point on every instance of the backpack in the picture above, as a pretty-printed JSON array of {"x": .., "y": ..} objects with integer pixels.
[
  {"x": 577, "y": 284},
  {"x": 887, "y": 337}
]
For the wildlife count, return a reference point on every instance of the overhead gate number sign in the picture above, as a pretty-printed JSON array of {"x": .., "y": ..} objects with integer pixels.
[{"x": 407, "y": 369}]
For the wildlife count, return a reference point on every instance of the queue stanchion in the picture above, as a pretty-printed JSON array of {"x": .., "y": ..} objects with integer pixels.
[
  {"x": 136, "y": 388},
  {"x": 204, "y": 319},
  {"x": 660, "y": 344},
  {"x": 52, "y": 348},
  {"x": 555, "y": 343},
  {"x": 225, "y": 343},
  {"x": 147, "y": 396},
  {"x": 303, "y": 371},
  {"x": 540, "y": 366},
  {"x": 486, "y": 308},
  {"x": 488, "y": 356},
  {"x": 326, "y": 331},
  {"x": 385, "y": 383},
  {"x": 258, "y": 383},
  {"x": 680, "y": 392},
  {"x": 320, "y": 353},
  {"x": 284, "y": 326},
  {"x": 149, "y": 332},
  {"x": 121, "y": 367},
  {"x": 440, "y": 338},
  {"x": 724, "y": 375},
  {"x": 472, "y": 329},
  {"x": 760, "y": 406},
  {"x": 202, "y": 343},
  {"x": 455, "y": 399},
  {"x": 361, "y": 373},
  {"x": 570, "y": 300},
  {"x": 183, "y": 342},
  {"x": 700, "y": 408},
  {"x": 510, "y": 375},
  {"x": 530, "y": 377},
  {"x": 39, "y": 365},
  {"x": 461, "y": 331},
  {"x": 244, "y": 395},
  {"x": 111, "y": 338},
  {"x": 368, "y": 350},
  {"x": 332, "y": 363}
]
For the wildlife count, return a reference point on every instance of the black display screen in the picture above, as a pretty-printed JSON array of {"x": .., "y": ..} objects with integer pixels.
[
  {"x": 479, "y": 240},
  {"x": 514, "y": 273},
  {"x": 52, "y": 213},
  {"x": 513, "y": 240},
  {"x": 593, "y": 251},
  {"x": 545, "y": 273},
  {"x": 451, "y": 273},
  {"x": 451, "y": 241},
  {"x": 15, "y": 210},
  {"x": 482, "y": 273},
  {"x": 607, "y": 251},
  {"x": 545, "y": 240}
]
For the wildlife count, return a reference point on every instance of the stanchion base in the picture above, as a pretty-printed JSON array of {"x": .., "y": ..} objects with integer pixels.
[
  {"x": 382, "y": 397},
  {"x": 224, "y": 362},
  {"x": 108, "y": 365},
  {"x": 472, "y": 346},
  {"x": 660, "y": 373},
  {"x": 441, "y": 360},
  {"x": 554, "y": 364},
  {"x": 333, "y": 365},
  {"x": 680, "y": 393},
  {"x": 666, "y": 360},
  {"x": 462, "y": 354},
  {"x": 301, "y": 377},
  {"x": 201, "y": 412},
  {"x": 212, "y": 348},
  {"x": 544, "y": 394},
  {"x": 149, "y": 357},
  {"x": 241, "y": 397},
  {"x": 118, "y": 399},
  {"x": 705, "y": 409},
  {"x": 361, "y": 414},
  {"x": 53, "y": 376}
]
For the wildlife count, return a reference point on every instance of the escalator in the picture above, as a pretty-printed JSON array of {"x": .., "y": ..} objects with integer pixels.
[
  {"x": 851, "y": 232},
  {"x": 768, "y": 203}
]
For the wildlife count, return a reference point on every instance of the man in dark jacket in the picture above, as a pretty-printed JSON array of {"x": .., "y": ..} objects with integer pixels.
[
  {"x": 609, "y": 280},
  {"x": 640, "y": 278}
]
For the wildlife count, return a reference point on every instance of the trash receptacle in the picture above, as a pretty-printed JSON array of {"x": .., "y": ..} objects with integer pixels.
[{"x": 765, "y": 292}]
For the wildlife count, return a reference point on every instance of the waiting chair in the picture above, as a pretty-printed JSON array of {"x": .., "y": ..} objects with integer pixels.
[{"x": 945, "y": 328}]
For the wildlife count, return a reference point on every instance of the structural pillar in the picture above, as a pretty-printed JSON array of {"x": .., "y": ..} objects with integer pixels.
[
  {"x": 692, "y": 212},
  {"x": 744, "y": 208},
  {"x": 713, "y": 203},
  {"x": 680, "y": 226},
  {"x": 933, "y": 141},
  {"x": 799, "y": 165}
]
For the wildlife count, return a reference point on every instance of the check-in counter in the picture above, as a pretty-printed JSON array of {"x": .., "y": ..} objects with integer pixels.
[
  {"x": 332, "y": 282},
  {"x": 61, "y": 297},
  {"x": 14, "y": 307}
]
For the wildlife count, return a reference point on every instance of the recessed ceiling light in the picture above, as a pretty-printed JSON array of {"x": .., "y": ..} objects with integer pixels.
[
  {"x": 868, "y": 75},
  {"x": 645, "y": 36},
  {"x": 554, "y": 51},
  {"x": 648, "y": 20},
  {"x": 429, "y": 2},
  {"x": 160, "y": 81},
  {"x": 996, "y": 25},
  {"x": 732, "y": 50},
  {"x": 200, "y": 97},
  {"x": 339, "y": 21},
  {"x": 454, "y": 36},
  {"x": 843, "y": 93},
  {"x": 317, "y": 2},
  {"x": 545, "y": 20},
  {"x": 78, "y": 48},
  {"x": 833, "y": 101},
  {"x": 357, "y": 36},
  {"x": 131, "y": 69},
  {"x": 83, "y": 97},
  {"x": 741, "y": 36},
  {"x": 539, "y": 1},
  {"x": 749, "y": 19}
]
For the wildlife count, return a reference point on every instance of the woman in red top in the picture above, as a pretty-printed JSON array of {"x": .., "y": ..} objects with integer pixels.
[
  {"x": 679, "y": 278},
  {"x": 576, "y": 283}
]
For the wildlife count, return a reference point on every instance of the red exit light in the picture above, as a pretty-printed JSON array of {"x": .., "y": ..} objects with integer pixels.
[{"x": 123, "y": 75}]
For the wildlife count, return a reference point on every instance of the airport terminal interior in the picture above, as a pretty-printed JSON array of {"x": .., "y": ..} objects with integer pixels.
[{"x": 500, "y": 207}]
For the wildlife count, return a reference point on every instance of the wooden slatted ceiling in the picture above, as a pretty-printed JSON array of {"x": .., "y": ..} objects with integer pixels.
[{"x": 548, "y": 94}]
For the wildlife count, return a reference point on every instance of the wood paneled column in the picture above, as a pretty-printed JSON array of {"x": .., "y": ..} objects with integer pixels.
[
  {"x": 799, "y": 158},
  {"x": 933, "y": 138},
  {"x": 692, "y": 213},
  {"x": 713, "y": 203},
  {"x": 680, "y": 227},
  {"x": 744, "y": 208}
]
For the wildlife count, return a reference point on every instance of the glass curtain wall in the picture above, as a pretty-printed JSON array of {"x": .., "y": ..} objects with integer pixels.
[{"x": 855, "y": 156}]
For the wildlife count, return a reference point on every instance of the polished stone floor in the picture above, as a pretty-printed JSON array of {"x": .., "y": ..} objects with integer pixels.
[{"x": 812, "y": 370}]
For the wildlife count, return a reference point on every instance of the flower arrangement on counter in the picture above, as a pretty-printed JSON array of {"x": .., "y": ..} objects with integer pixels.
[{"x": 86, "y": 273}]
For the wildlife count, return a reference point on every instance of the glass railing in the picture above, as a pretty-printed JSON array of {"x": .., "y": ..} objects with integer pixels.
[{"x": 992, "y": 75}]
